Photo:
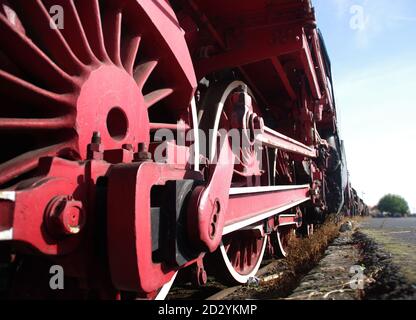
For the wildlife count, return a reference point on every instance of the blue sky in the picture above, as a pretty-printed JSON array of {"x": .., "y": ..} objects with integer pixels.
[{"x": 372, "y": 45}]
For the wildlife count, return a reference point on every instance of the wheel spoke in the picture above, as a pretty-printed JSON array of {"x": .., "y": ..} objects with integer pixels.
[
  {"x": 28, "y": 161},
  {"x": 143, "y": 72},
  {"x": 169, "y": 126},
  {"x": 242, "y": 256},
  {"x": 129, "y": 50},
  {"x": 36, "y": 124},
  {"x": 90, "y": 16},
  {"x": 249, "y": 252},
  {"x": 112, "y": 34},
  {"x": 11, "y": 16},
  {"x": 18, "y": 47},
  {"x": 156, "y": 96},
  {"x": 24, "y": 91},
  {"x": 39, "y": 22},
  {"x": 73, "y": 31}
]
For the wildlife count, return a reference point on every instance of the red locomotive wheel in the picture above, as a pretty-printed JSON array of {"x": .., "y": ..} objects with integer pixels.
[
  {"x": 100, "y": 73},
  {"x": 115, "y": 72},
  {"x": 241, "y": 252},
  {"x": 283, "y": 237}
]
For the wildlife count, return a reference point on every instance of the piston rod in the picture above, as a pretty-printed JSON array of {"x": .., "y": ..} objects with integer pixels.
[{"x": 271, "y": 138}]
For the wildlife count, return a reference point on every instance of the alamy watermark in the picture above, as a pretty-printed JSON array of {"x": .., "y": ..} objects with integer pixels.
[
  {"x": 245, "y": 144},
  {"x": 57, "y": 20},
  {"x": 56, "y": 281},
  {"x": 359, "y": 19},
  {"x": 358, "y": 279}
]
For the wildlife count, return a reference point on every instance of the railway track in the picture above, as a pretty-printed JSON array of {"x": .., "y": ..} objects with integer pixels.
[
  {"x": 276, "y": 278},
  {"x": 217, "y": 291}
]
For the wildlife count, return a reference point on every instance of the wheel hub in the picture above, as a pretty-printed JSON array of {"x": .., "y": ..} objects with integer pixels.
[
  {"x": 243, "y": 118},
  {"x": 111, "y": 103}
]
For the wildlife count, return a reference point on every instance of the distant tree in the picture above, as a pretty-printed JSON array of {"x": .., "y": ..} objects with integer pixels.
[{"x": 393, "y": 204}]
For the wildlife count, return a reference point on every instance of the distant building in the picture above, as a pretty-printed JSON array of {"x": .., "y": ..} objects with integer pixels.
[{"x": 374, "y": 212}]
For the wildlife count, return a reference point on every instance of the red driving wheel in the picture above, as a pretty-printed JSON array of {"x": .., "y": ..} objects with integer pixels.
[
  {"x": 100, "y": 73},
  {"x": 116, "y": 71},
  {"x": 227, "y": 107}
]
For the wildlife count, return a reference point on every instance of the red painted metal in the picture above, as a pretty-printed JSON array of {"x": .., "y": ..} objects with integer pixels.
[
  {"x": 308, "y": 65},
  {"x": 129, "y": 225},
  {"x": 255, "y": 206},
  {"x": 40, "y": 195},
  {"x": 91, "y": 75},
  {"x": 282, "y": 74},
  {"x": 244, "y": 250},
  {"x": 208, "y": 205},
  {"x": 82, "y": 165}
]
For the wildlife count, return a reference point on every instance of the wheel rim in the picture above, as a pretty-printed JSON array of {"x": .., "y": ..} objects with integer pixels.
[
  {"x": 100, "y": 73},
  {"x": 241, "y": 252},
  {"x": 283, "y": 236}
]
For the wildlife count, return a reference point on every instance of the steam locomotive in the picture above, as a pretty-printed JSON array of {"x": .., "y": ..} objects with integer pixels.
[{"x": 142, "y": 138}]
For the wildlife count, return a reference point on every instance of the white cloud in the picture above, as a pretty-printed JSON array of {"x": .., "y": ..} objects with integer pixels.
[
  {"x": 377, "y": 16},
  {"x": 342, "y": 7},
  {"x": 377, "y": 112}
]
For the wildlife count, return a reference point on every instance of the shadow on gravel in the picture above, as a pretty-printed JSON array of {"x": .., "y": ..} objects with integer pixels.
[{"x": 385, "y": 280}]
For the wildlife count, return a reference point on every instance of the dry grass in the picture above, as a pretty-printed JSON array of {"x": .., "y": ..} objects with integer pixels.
[{"x": 304, "y": 255}]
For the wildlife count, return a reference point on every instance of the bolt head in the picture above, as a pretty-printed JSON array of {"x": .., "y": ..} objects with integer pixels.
[
  {"x": 65, "y": 216},
  {"x": 96, "y": 138}
]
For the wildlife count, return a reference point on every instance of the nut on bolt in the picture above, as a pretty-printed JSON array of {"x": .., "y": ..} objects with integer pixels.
[
  {"x": 65, "y": 216},
  {"x": 143, "y": 153},
  {"x": 95, "y": 149}
]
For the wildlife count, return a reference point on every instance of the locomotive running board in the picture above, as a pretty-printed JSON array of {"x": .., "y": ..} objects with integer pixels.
[{"x": 248, "y": 206}]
